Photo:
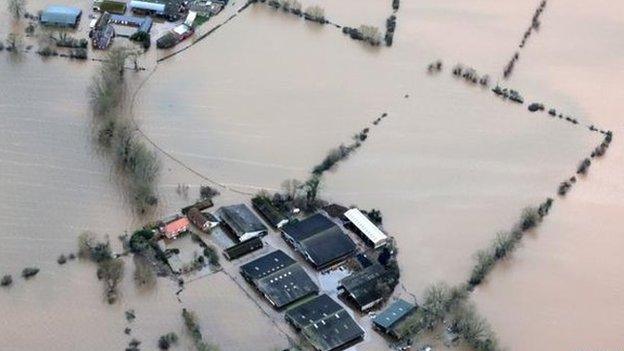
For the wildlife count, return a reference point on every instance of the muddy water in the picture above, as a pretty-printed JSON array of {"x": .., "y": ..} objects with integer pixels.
[{"x": 264, "y": 98}]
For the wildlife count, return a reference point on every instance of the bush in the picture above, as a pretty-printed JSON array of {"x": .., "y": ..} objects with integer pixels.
[
  {"x": 6, "y": 280},
  {"x": 111, "y": 272},
  {"x": 370, "y": 34},
  {"x": 192, "y": 326},
  {"x": 583, "y": 166},
  {"x": 29, "y": 272},
  {"x": 142, "y": 37},
  {"x": 207, "y": 192},
  {"x": 315, "y": 13},
  {"x": 167, "y": 340},
  {"x": 473, "y": 329},
  {"x": 213, "y": 257},
  {"x": 485, "y": 263}
]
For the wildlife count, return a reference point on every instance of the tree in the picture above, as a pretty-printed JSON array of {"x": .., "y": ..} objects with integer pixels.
[
  {"x": 291, "y": 187},
  {"x": 14, "y": 42},
  {"x": 16, "y": 8},
  {"x": 144, "y": 275}
]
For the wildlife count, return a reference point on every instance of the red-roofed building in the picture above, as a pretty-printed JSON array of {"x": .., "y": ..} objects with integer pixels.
[{"x": 174, "y": 228}]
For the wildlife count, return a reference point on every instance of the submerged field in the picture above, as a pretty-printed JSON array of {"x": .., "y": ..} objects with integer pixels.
[{"x": 265, "y": 97}]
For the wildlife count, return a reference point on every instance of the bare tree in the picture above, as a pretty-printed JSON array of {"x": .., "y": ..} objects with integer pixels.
[{"x": 16, "y": 8}]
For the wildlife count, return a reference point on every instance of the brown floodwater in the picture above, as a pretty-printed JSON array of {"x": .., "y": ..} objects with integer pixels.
[{"x": 263, "y": 99}]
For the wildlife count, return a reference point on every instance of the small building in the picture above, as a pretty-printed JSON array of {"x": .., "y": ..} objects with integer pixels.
[
  {"x": 143, "y": 24},
  {"x": 319, "y": 240},
  {"x": 102, "y": 33},
  {"x": 200, "y": 220},
  {"x": 147, "y": 8},
  {"x": 369, "y": 286},
  {"x": 241, "y": 249},
  {"x": 176, "y": 227},
  {"x": 110, "y": 6},
  {"x": 243, "y": 223},
  {"x": 206, "y": 8},
  {"x": 387, "y": 321},
  {"x": 366, "y": 229},
  {"x": 271, "y": 213},
  {"x": 61, "y": 16},
  {"x": 279, "y": 278},
  {"x": 200, "y": 205},
  {"x": 325, "y": 324}
]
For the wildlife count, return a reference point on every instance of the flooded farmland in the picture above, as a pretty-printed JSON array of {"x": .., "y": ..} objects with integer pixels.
[{"x": 264, "y": 98}]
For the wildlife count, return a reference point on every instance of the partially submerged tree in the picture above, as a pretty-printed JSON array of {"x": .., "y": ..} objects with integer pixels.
[{"x": 16, "y": 8}]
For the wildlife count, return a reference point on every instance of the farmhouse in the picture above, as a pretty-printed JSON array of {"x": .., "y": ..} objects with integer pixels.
[
  {"x": 243, "y": 223},
  {"x": 102, "y": 33},
  {"x": 279, "y": 278},
  {"x": 368, "y": 287},
  {"x": 366, "y": 229},
  {"x": 325, "y": 324},
  {"x": 319, "y": 240},
  {"x": 387, "y": 320},
  {"x": 61, "y": 16},
  {"x": 203, "y": 222},
  {"x": 174, "y": 228}
]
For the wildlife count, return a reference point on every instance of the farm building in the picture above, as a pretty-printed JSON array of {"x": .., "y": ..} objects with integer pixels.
[
  {"x": 387, "y": 320},
  {"x": 143, "y": 24},
  {"x": 116, "y": 7},
  {"x": 243, "y": 223},
  {"x": 366, "y": 229},
  {"x": 279, "y": 278},
  {"x": 61, "y": 16},
  {"x": 271, "y": 213},
  {"x": 200, "y": 205},
  {"x": 325, "y": 324},
  {"x": 203, "y": 221},
  {"x": 368, "y": 287},
  {"x": 243, "y": 248},
  {"x": 147, "y": 8},
  {"x": 102, "y": 33},
  {"x": 319, "y": 240}
]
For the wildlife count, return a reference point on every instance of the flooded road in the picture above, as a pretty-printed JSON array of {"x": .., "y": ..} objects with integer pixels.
[{"x": 264, "y": 98}]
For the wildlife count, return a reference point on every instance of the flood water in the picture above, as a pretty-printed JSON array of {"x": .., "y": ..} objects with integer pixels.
[{"x": 263, "y": 99}]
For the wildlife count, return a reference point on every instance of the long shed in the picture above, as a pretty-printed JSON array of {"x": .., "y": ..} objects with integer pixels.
[{"x": 61, "y": 16}]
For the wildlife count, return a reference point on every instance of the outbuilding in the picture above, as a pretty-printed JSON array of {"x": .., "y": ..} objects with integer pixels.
[
  {"x": 61, "y": 16},
  {"x": 147, "y": 8},
  {"x": 391, "y": 317},
  {"x": 369, "y": 286},
  {"x": 365, "y": 228}
]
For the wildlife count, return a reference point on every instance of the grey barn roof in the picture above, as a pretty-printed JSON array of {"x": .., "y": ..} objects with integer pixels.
[
  {"x": 61, "y": 15},
  {"x": 281, "y": 279},
  {"x": 321, "y": 239},
  {"x": 363, "y": 286},
  {"x": 241, "y": 219},
  {"x": 398, "y": 310},
  {"x": 324, "y": 323}
]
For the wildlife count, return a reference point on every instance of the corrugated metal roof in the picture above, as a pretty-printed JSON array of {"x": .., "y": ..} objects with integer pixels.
[
  {"x": 60, "y": 15},
  {"x": 394, "y": 313},
  {"x": 367, "y": 227},
  {"x": 144, "y": 5}
]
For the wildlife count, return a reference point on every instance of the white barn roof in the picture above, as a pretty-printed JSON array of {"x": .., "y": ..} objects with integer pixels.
[{"x": 368, "y": 228}]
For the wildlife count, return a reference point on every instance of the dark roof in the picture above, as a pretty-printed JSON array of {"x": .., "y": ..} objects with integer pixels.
[
  {"x": 281, "y": 279},
  {"x": 241, "y": 219},
  {"x": 271, "y": 213},
  {"x": 266, "y": 265},
  {"x": 335, "y": 210},
  {"x": 309, "y": 227},
  {"x": 364, "y": 286},
  {"x": 324, "y": 323},
  {"x": 243, "y": 248},
  {"x": 393, "y": 314},
  {"x": 200, "y": 205},
  {"x": 61, "y": 15},
  {"x": 321, "y": 239}
]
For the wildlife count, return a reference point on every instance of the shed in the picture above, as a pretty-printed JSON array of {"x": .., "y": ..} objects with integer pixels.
[
  {"x": 325, "y": 324},
  {"x": 279, "y": 278},
  {"x": 117, "y": 7},
  {"x": 387, "y": 320},
  {"x": 243, "y": 248},
  {"x": 61, "y": 16},
  {"x": 366, "y": 228},
  {"x": 319, "y": 240}
]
